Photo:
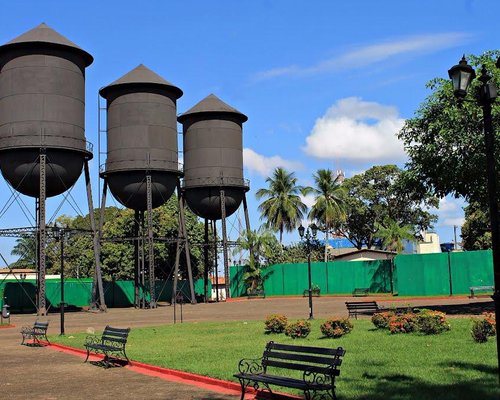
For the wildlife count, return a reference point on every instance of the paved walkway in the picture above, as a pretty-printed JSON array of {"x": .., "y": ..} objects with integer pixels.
[{"x": 42, "y": 373}]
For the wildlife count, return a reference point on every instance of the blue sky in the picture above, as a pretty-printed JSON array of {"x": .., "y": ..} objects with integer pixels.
[{"x": 325, "y": 84}]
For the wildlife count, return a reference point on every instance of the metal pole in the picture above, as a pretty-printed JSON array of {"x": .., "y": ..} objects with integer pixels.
[
  {"x": 41, "y": 235},
  {"x": 61, "y": 237},
  {"x": 489, "y": 141},
  {"x": 309, "y": 278}
]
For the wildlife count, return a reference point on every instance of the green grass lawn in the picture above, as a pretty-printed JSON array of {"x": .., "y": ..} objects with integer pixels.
[{"x": 377, "y": 365}]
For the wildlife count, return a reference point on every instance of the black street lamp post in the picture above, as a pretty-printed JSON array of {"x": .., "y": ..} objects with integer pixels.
[
  {"x": 462, "y": 75},
  {"x": 309, "y": 236}
]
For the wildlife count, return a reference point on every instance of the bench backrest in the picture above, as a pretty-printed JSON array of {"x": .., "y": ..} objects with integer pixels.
[
  {"x": 42, "y": 326},
  {"x": 303, "y": 358},
  {"x": 118, "y": 335},
  {"x": 362, "y": 305}
]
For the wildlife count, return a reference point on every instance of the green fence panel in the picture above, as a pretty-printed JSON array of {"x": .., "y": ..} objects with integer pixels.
[
  {"x": 273, "y": 280},
  {"x": 422, "y": 274},
  {"x": 236, "y": 282},
  {"x": 470, "y": 268}
]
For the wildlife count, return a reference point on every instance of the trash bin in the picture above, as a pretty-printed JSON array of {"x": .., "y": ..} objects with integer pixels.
[{"x": 6, "y": 312}]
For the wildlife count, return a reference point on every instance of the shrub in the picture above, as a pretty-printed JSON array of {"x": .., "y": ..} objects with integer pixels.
[
  {"x": 336, "y": 327},
  {"x": 275, "y": 323},
  {"x": 403, "y": 323},
  {"x": 299, "y": 329},
  {"x": 381, "y": 319},
  {"x": 483, "y": 328},
  {"x": 432, "y": 322}
]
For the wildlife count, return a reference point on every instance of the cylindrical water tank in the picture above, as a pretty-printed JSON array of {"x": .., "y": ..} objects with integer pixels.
[
  {"x": 213, "y": 157},
  {"x": 42, "y": 109},
  {"x": 141, "y": 138}
]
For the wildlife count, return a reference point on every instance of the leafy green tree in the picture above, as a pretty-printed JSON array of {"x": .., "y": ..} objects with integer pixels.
[
  {"x": 445, "y": 141},
  {"x": 392, "y": 234},
  {"x": 282, "y": 208},
  {"x": 261, "y": 246},
  {"x": 379, "y": 193},
  {"x": 329, "y": 202},
  {"x": 476, "y": 234}
]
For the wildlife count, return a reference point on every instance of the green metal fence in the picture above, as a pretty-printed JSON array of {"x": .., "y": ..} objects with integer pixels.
[
  {"x": 21, "y": 295},
  {"x": 407, "y": 275}
]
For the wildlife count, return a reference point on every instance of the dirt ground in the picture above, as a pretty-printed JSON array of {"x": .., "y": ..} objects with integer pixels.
[{"x": 42, "y": 373}]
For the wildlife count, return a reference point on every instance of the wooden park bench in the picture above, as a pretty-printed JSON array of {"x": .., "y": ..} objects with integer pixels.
[
  {"x": 359, "y": 292},
  {"x": 475, "y": 289},
  {"x": 318, "y": 368},
  {"x": 361, "y": 307},
  {"x": 256, "y": 293},
  {"x": 111, "y": 344},
  {"x": 35, "y": 332}
]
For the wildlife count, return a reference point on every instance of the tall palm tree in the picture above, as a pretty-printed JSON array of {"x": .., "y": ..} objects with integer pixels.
[
  {"x": 282, "y": 208},
  {"x": 392, "y": 234},
  {"x": 329, "y": 201}
]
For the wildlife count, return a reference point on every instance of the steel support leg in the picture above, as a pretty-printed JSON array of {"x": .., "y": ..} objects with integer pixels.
[
  {"x": 216, "y": 256},
  {"x": 97, "y": 249},
  {"x": 137, "y": 272},
  {"x": 41, "y": 306},
  {"x": 206, "y": 260},
  {"x": 182, "y": 226},
  {"x": 224, "y": 244},
  {"x": 151, "y": 261}
]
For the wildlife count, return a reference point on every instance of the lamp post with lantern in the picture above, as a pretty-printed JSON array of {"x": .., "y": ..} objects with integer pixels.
[
  {"x": 308, "y": 236},
  {"x": 462, "y": 75}
]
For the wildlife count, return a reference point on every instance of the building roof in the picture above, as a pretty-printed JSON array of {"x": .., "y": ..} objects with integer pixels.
[
  {"x": 5, "y": 271},
  {"x": 212, "y": 105},
  {"x": 365, "y": 254}
]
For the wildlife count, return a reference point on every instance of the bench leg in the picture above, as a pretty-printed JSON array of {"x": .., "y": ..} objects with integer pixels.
[{"x": 88, "y": 353}]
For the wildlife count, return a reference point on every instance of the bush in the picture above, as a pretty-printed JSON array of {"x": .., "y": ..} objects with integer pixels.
[
  {"x": 432, "y": 322},
  {"x": 275, "y": 323},
  {"x": 336, "y": 327},
  {"x": 403, "y": 323},
  {"x": 299, "y": 329},
  {"x": 483, "y": 328},
  {"x": 381, "y": 319}
]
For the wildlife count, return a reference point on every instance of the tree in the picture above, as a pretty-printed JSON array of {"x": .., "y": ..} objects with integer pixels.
[
  {"x": 445, "y": 141},
  {"x": 25, "y": 248},
  {"x": 329, "y": 202},
  {"x": 382, "y": 192},
  {"x": 476, "y": 233},
  {"x": 282, "y": 208},
  {"x": 261, "y": 246},
  {"x": 392, "y": 234}
]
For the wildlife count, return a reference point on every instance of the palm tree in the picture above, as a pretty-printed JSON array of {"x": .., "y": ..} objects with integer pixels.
[
  {"x": 25, "y": 248},
  {"x": 261, "y": 245},
  {"x": 392, "y": 234},
  {"x": 282, "y": 208},
  {"x": 329, "y": 205}
]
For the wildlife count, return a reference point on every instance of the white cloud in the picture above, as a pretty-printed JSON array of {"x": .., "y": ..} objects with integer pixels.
[
  {"x": 263, "y": 165},
  {"x": 450, "y": 212},
  {"x": 357, "y": 131},
  {"x": 308, "y": 200},
  {"x": 459, "y": 221},
  {"x": 371, "y": 54}
]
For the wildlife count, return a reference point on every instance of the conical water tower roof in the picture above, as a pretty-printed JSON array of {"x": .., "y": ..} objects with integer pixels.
[
  {"x": 141, "y": 75},
  {"x": 212, "y": 105},
  {"x": 44, "y": 35}
]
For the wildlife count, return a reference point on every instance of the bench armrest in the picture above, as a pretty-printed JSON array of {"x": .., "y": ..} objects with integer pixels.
[
  {"x": 250, "y": 366},
  {"x": 313, "y": 378},
  {"x": 92, "y": 339}
]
